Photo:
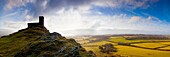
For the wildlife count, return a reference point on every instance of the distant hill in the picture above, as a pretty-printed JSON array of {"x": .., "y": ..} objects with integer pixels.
[{"x": 39, "y": 42}]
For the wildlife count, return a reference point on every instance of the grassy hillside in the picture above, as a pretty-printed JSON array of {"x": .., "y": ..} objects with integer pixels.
[{"x": 37, "y": 41}]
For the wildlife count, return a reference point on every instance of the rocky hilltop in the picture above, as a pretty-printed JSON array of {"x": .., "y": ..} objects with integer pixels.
[{"x": 39, "y": 42}]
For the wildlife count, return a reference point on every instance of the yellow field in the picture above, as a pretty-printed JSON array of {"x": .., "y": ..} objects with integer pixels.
[
  {"x": 149, "y": 45},
  {"x": 166, "y": 48},
  {"x": 121, "y": 39},
  {"x": 97, "y": 51},
  {"x": 139, "y": 52},
  {"x": 84, "y": 40},
  {"x": 131, "y": 52},
  {"x": 166, "y": 43},
  {"x": 97, "y": 43}
]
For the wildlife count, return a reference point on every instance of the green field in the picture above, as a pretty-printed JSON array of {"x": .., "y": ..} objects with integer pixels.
[
  {"x": 149, "y": 45},
  {"x": 122, "y": 39}
]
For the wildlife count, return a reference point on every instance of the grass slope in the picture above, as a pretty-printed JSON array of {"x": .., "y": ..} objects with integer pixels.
[{"x": 38, "y": 42}]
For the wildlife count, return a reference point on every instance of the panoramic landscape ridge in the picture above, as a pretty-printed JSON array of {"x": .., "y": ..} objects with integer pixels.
[{"x": 84, "y": 28}]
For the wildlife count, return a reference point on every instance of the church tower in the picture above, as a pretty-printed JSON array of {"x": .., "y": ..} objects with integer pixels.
[{"x": 41, "y": 20}]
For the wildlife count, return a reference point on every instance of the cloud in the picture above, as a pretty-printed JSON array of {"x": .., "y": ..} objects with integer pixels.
[
  {"x": 16, "y": 3},
  {"x": 134, "y": 19},
  {"x": 149, "y": 19},
  {"x": 13, "y": 25},
  {"x": 76, "y": 23},
  {"x": 5, "y": 32},
  {"x": 73, "y": 22},
  {"x": 109, "y": 31},
  {"x": 78, "y": 18},
  {"x": 154, "y": 19},
  {"x": 39, "y": 7},
  {"x": 130, "y": 4}
]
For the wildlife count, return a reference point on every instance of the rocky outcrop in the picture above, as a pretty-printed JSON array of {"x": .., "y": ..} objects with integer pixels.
[{"x": 39, "y": 42}]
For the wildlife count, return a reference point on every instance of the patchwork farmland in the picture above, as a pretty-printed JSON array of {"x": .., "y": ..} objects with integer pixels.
[{"x": 140, "y": 46}]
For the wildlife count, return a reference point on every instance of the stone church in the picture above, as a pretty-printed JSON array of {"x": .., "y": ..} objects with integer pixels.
[{"x": 40, "y": 23}]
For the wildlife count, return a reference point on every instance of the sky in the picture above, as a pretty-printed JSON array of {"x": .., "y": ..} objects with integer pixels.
[{"x": 88, "y": 17}]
